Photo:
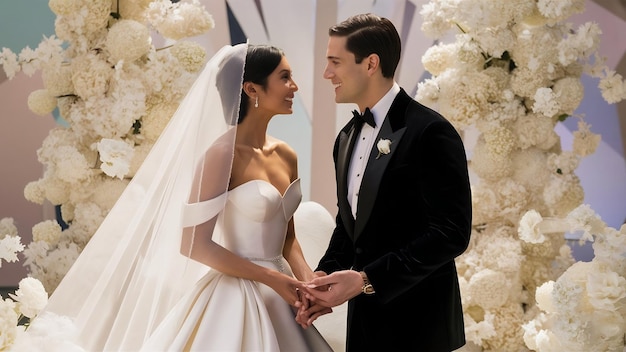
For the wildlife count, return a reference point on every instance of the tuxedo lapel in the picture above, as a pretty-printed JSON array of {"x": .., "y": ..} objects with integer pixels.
[
  {"x": 393, "y": 129},
  {"x": 344, "y": 152}
]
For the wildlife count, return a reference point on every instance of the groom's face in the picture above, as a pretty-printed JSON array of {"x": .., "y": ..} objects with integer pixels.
[{"x": 349, "y": 79}]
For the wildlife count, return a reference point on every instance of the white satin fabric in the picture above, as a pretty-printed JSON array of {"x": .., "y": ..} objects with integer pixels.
[{"x": 224, "y": 313}]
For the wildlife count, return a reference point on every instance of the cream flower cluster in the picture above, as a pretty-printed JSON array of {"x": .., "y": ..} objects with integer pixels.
[
  {"x": 511, "y": 72},
  {"x": 583, "y": 309},
  {"x": 115, "y": 92},
  {"x": 27, "y": 301},
  {"x": 30, "y": 297},
  {"x": 10, "y": 242}
]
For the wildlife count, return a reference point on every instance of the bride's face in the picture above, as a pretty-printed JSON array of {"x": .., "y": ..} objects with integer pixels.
[{"x": 279, "y": 93}]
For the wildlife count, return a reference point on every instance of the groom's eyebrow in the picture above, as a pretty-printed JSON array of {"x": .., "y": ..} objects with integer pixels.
[{"x": 333, "y": 58}]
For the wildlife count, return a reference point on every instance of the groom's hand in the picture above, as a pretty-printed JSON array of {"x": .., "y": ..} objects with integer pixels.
[{"x": 334, "y": 289}]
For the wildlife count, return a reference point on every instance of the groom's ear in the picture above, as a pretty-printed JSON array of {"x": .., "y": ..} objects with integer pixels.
[{"x": 373, "y": 63}]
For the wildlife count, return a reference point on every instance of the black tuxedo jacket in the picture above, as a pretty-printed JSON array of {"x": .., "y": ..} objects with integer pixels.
[{"x": 413, "y": 219}]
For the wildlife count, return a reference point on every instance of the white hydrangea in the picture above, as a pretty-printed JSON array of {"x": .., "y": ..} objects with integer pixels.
[
  {"x": 41, "y": 102},
  {"x": 585, "y": 219},
  {"x": 72, "y": 166},
  {"x": 179, "y": 20},
  {"x": 9, "y": 247},
  {"x": 477, "y": 331},
  {"x": 489, "y": 288},
  {"x": 560, "y": 10},
  {"x": 606, "y": 289},
  {"x": 8, "y": 323},
  {"x": 90, "y": 75},
  {"x": 569, "y": 92},
  {"x": 128, "y": 40},
  {"x": 34, "y": 192},
  {"x": 58, "y": 80},
  {"x": 48, "y": 231},
  {"x": 31, "y": 297},
  {"x": 610, "y": 249},
  {"x": 563, "y": 193},
  {"x": 585, "y": 142},
  {"x": 546, "y": 102},
  {"x": 579, "y": 43},
  {"x": 8, "y": 60},
  {"x": 529, "y": 229},
  {"x": 437, "y": 17},
  {"x": 64, "y": 7},
  {"x": 613, "y": 87},
  {"x": 48, "y": 332},
  {"x": 29, "y": 61},
  {"x": 7, "y": 227},
  {"x": 438, "y": 58},
  {"x": 115, "y": 156},
  {"x": 563, "y": 163},
  {"x": 190, "y": 55},
  {"x": 543, "y": 296},
  {"x": 530, "y": 169},
  {"x": 428, "y": 93},
  {"x": 537, "y": 338}
]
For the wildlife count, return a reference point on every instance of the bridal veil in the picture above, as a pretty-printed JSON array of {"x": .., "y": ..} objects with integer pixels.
[{"x": 132, "y": 271}]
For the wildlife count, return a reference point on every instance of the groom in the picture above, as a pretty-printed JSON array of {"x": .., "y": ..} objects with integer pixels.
[{"x": 404, "y": 205}]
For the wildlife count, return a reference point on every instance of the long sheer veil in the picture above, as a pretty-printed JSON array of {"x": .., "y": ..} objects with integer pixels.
[{"x": 132, "y": 271}]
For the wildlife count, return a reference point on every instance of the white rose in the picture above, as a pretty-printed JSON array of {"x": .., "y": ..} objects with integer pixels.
[
  {"x": 31, "y": 297},
  {"x": 383, "y": 146}
]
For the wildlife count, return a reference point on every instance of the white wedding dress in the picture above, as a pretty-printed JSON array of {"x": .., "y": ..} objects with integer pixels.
[{"x": 225, "y": 313}]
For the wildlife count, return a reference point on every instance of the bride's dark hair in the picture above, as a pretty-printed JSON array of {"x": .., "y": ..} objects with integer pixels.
[{"x": 261, "y": 61}]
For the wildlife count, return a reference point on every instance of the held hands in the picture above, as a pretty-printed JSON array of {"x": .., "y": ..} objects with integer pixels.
[
  {"x": 327, "y": 291},
  {"x": 309, "y": 311},
  {"x": 289, "y": 288},
  {"x": 334, "y": 289}
]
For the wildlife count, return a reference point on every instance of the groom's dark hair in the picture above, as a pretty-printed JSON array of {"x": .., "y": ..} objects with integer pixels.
[{"x": 370, "y": 34}]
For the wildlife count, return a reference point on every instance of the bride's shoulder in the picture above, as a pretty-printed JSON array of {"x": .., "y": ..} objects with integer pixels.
[
  {"x": 221, "y": 149},
  {"x": 280, "y": 145}
]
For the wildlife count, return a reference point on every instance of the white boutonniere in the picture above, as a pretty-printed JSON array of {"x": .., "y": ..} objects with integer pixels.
[{"x": 383, "y": 147}]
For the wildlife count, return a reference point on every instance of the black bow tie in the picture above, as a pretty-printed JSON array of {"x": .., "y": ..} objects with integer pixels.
[{"x": 366, "y": 117}]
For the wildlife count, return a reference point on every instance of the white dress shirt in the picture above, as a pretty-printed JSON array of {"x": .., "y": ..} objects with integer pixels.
[{"x": 364, "y": 144}]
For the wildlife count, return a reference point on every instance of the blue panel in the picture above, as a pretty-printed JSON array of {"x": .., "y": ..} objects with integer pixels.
[
  {"x": 24, "y": 23},
  {"x": 602, "y": 116}
]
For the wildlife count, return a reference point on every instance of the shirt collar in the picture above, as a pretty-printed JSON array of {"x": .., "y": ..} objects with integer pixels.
[{"x": 380, "y": 109}]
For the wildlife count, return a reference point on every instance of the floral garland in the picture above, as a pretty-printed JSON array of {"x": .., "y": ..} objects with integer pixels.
[
  {"x": 116, "y": 92},
  {"x": 511, "y": 74}
]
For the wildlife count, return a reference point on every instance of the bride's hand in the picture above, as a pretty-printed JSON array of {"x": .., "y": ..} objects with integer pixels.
[
  {"x": 309, "y": 311},
  {"x": 288, "y": 288}
]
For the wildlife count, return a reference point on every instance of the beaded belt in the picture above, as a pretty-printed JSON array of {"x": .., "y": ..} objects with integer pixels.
[{"x": 277, "y": 260}]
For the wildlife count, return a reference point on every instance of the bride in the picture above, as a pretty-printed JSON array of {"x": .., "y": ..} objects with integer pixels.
[{"x": 200, "y": 252}]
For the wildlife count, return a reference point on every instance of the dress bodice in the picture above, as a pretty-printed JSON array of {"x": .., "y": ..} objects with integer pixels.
[{"x": 255, "y": 218}]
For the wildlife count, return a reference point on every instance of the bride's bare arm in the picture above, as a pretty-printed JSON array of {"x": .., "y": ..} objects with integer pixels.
[{"x": 294, "y": 255}]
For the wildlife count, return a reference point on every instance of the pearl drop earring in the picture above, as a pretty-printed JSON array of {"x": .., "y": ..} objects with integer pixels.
[{"x": 256, "y": 102}]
